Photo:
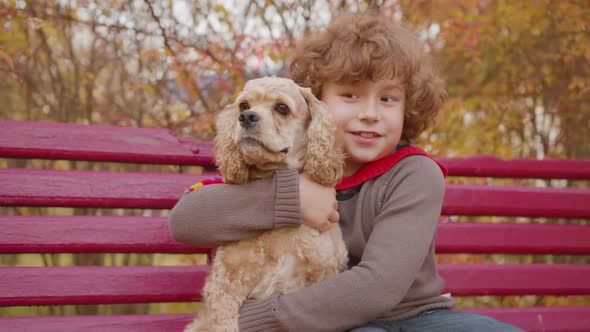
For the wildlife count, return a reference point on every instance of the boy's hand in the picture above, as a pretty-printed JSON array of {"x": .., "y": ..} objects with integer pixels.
[{"x": 319, "y": 208}]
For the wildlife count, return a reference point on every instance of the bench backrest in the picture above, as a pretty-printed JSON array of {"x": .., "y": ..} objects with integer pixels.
[{"x": 158, "y": 190}]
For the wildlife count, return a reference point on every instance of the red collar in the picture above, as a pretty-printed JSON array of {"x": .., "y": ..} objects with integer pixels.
[{"x": 380, "y": 166}]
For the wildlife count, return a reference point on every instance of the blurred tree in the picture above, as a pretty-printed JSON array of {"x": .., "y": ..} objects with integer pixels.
[
  {"x": 138, "y": 63},
  {"x": 517, "y": 73}
]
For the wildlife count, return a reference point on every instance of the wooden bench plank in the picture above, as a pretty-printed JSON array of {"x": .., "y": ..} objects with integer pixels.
[
  {"x": 77, "y": 234},
  {"x": 516, "y": 201},
  {"x": 98, "y": 323},
  {"x": 45, "y": 140},
  {"x": 530, "y": 319},
  {"x": 44, "y": 234},
  {"x": 546, "y": 319},
  {"x": 33, "y": 187},
  {"x": 542, "y": 319},
  {"x": 471, "y": 237},
  {"x": 101, "y": 285},
  {"x": 516, "y": 279},
  {"x": 489, "y": 166}
]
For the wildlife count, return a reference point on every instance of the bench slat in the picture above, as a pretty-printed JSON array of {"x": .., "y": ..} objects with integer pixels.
[
  {"x": 532, "y": 319},
  {"x": 79, "y": 234},
  {"x": 101, "y": 285},
  {"x": 516, "y": 279},
  {"x": 42, "y": 234},
  {"x": 471, "y": 237},
  {"x": 542, "y": 319},
  {"x": 45, "y": 140},
  {"x": 34, "y": 139},
  {"x": 98, "y": 323},
  {"x": 516, "y": 201},
  {"x": 489, "y": 166},
  {"x": 34, "y": 187}
]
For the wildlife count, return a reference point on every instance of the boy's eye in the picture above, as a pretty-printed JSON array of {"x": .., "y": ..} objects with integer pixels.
[
  {"x": 390, "y": 99},
  {"x": 349, "y": 95}
]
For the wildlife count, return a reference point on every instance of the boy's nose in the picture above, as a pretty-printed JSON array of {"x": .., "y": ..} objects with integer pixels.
[{"x": 369, "y": 112}]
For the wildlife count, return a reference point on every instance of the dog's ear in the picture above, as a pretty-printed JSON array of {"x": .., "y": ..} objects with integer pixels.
[
  {"x": 324, "y": 159},
  {"x": 228, "y": 156}
]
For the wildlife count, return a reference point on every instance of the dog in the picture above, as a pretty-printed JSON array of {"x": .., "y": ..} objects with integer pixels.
[{"x": 273, "y": 124}]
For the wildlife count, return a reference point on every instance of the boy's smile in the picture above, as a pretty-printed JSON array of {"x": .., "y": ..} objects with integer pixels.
[
  {"x": 370, "y": 117},
  {"x": 364, "y": 137}
]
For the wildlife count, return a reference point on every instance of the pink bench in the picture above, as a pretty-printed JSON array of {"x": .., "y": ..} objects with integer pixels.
[{"x": 23, "y": 286}]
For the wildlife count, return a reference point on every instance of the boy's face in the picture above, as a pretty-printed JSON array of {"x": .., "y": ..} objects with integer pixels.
[{"x": 370, "y": 118}]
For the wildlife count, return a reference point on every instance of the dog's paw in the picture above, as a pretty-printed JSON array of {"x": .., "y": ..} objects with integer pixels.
[
  {"x": 228, "y": 326},
  {"x": 195, "y": 326}
]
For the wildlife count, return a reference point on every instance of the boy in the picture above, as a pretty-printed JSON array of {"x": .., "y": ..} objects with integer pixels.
[{"x": 376, "y": 81}]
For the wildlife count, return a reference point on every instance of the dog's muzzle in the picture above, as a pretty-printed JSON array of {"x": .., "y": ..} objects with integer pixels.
[{"x": 249, "y": 119}]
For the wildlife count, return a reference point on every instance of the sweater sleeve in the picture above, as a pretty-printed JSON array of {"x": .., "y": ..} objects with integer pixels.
[
  {"x": 221, "y": 213},
  {"x": 393, "y": 255}
]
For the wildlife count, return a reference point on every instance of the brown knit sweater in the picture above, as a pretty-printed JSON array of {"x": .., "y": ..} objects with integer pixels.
[{"x": 389, "y": 228}]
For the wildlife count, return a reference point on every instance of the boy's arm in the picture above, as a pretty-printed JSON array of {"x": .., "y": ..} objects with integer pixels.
[
  {"x": 217, "y": 214},
  {"x": 393, "y": 255}
]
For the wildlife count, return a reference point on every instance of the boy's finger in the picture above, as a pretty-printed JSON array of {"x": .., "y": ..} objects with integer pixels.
[{"x": 334, "y": 217}]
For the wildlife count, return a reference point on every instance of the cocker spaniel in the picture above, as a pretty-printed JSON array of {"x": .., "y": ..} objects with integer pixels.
[{"x": 273, "y": 124}]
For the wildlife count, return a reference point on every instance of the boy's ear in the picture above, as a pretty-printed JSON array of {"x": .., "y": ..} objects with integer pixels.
[
  {"x": 324, "y": 158},
  {"x": 429, "y": 94},
  {"x": 228, "y": 156}
]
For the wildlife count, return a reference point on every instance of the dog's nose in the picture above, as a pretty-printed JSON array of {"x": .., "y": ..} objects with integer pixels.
[{"x": 249, "y": 119}]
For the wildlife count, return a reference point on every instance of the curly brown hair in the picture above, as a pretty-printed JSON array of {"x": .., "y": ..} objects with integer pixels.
[{"x": 369, "y": 46}]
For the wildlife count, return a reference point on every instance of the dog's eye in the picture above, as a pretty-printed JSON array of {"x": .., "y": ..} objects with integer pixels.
[
  {"x": 282, "y": 109},
  {"x": 244, "y": 106}
]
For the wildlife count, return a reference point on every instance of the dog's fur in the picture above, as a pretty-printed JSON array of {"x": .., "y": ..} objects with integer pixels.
[{"x": 287, "y": 258}]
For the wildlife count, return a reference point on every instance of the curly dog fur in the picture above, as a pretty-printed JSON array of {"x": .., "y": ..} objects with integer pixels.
[{"x": 290, "y": 128}]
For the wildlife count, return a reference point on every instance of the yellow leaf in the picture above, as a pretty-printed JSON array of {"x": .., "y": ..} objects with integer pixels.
[
  {"x": 150, "y": 53},
  {"x": 90, "y": 76},
  {"x": 7, "y": 59}
]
